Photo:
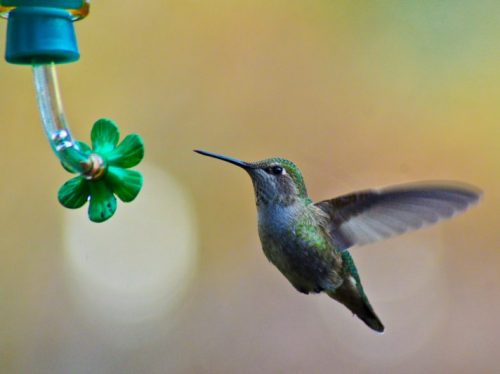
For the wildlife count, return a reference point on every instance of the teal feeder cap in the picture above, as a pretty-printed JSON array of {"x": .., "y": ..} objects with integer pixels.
[{"x": 40, "y": 35}]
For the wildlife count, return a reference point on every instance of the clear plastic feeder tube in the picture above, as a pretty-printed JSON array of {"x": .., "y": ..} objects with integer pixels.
[{"x": 54, "y": 122}]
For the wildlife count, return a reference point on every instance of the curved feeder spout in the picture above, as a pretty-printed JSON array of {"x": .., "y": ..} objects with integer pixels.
[
  {"x": 54, "y": 122},
  {"x": 42, "y": 35}
]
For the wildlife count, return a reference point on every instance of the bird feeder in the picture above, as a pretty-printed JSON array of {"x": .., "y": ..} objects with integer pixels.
[{"x": 41, "y": 33}]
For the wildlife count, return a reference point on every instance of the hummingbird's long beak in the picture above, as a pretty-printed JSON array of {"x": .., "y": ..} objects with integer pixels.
[{"x": 234, "y": 161}]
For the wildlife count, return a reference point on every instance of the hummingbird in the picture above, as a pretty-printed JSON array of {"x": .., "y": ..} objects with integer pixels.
[{"x": 308, "y": 242}]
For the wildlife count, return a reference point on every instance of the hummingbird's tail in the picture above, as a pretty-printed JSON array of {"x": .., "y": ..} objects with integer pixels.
[
  {"x": 359, "y": 305},
  {"x": 352, "y": 295}
]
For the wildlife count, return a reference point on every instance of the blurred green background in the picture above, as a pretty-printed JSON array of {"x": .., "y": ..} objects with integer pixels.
[{"x": 358, "y": 94}]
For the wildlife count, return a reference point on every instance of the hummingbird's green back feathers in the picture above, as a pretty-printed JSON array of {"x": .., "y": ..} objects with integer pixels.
[{"x": 309, "y": 232}]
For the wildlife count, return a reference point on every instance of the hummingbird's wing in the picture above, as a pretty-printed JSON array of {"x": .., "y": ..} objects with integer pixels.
[{"x": 367, "y": 216}]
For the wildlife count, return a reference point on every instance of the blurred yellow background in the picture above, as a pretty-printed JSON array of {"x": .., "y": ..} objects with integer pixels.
[{"x": 358, "y": 94}]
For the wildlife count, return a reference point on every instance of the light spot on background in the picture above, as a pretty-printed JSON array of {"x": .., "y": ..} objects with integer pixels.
[{"x": 131, "y": 271}]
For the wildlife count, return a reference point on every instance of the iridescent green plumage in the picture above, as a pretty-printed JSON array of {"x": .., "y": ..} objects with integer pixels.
[{"x": 309, "y": 233}]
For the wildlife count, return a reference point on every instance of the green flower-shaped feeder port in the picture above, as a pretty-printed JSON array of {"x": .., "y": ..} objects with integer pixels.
[{"x": 99, "y": 187}]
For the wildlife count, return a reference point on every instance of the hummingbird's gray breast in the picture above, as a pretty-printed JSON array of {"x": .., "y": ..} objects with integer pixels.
[
  {"x": 306, "y": 266},
  {"x": 275, "y": 225}
]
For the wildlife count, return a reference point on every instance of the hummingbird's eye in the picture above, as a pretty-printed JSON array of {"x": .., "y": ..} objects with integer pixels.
[{"x": 275, "y": 170}]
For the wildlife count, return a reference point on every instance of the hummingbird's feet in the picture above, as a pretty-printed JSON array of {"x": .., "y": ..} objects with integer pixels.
[
  {"x": 307, "y": 291},
  {"x": 302, "y": 290}
]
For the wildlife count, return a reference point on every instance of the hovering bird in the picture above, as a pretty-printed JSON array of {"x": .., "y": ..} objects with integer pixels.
[{"x": 308, "y": 241}]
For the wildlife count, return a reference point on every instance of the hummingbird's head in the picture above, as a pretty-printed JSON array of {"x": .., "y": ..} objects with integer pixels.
[{"x": 275, "y": 180}]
